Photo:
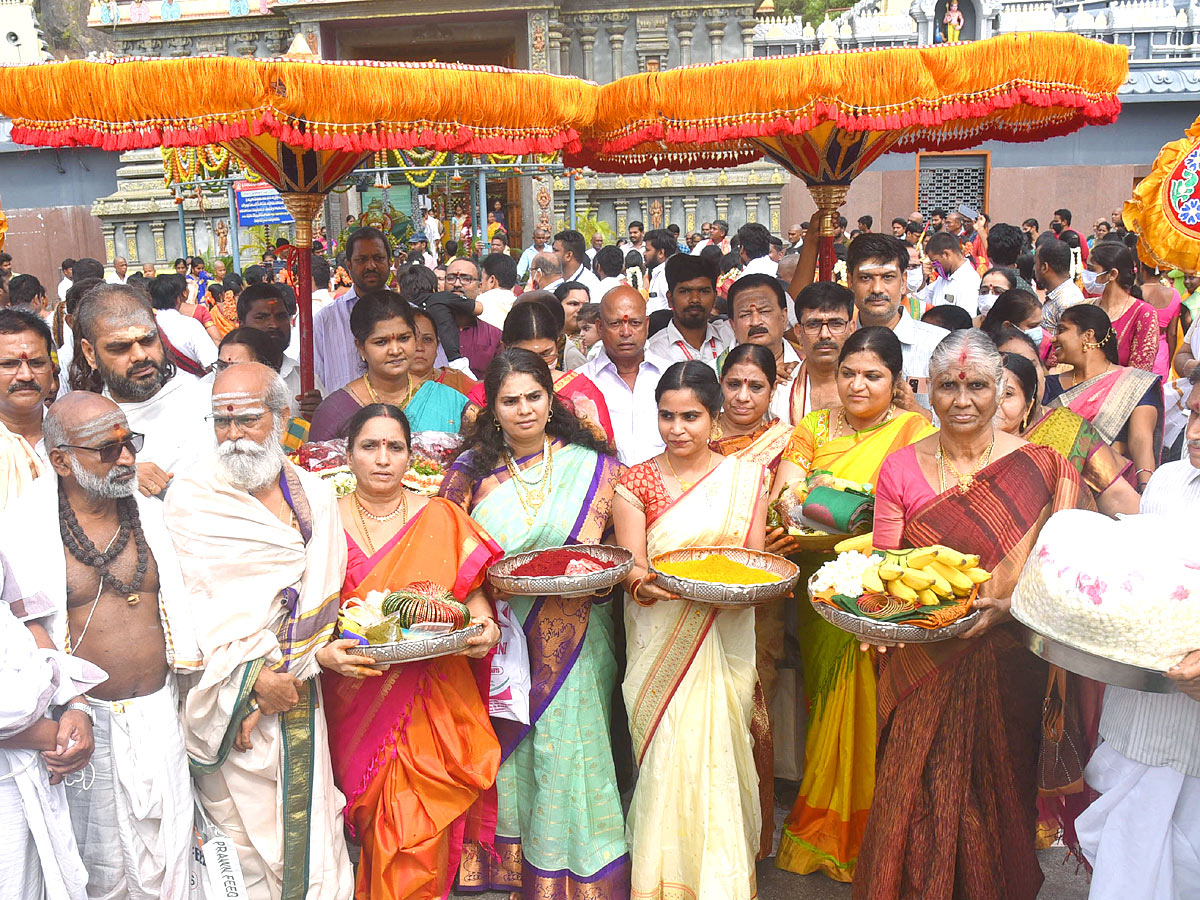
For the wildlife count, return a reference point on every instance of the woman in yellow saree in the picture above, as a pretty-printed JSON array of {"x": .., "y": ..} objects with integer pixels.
[
  {"x": 824, "y": 829},
  {"x": 413, "y": 748},
  {"x": 695, "y": 818}
]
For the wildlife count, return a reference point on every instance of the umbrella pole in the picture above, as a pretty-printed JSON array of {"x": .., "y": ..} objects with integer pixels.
[
  {"x": 829, "y": 199},
  {"x": 303, "y": 208}
]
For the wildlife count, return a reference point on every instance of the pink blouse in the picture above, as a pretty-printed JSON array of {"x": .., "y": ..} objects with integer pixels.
[{"x": 900, "y": 491}]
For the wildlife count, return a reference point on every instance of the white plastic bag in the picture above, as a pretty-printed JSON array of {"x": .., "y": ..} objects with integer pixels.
[
  {"x": 216, "y": 871},
  {"x": 509, "y": 694}
]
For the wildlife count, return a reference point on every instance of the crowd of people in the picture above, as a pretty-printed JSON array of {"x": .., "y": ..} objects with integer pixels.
[{"x": 172, "y": 578}]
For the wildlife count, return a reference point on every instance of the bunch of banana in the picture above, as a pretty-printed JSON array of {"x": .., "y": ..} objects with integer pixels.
[{"x": 926, "y": 575}]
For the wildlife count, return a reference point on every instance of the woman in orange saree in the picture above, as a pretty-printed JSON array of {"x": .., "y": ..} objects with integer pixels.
[
  {"x": 414, "y": 747},
  {"x": 959, "y": 721}
]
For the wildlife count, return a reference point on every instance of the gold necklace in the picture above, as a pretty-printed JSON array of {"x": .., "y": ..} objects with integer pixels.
[
  {"x": 687, "y": 485},
  {"x": 842, "y": 421},
  {"x": 964, "y": 481},
  {"x": 532, "y": 493},
  {"x": 361, "y": 512},
  {"x": 375, "y": 397}
]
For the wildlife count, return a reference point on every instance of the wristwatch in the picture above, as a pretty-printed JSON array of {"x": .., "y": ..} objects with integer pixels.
[{"x": 83, "y": 708}]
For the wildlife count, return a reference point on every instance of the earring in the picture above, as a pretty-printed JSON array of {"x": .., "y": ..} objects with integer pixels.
[
  {"x": 496, "y": 425},
  {"x": 551, "y": 416}
]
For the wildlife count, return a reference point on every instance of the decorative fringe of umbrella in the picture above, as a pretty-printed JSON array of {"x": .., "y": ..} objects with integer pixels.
[{"x": 1165, "y": 209}]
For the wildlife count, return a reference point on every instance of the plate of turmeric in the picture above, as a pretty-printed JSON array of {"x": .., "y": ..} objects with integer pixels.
[{"x": 731, "y": 577}]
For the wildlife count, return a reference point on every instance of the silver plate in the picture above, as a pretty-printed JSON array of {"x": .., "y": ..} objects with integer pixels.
[
  {"x": 563, "y": 585},
  {"x": 890, "y": 632},
  {"x": 1098, "y": 668},
  {"x": 417, "y": 649},
  {"x": 730, "y": 596}
]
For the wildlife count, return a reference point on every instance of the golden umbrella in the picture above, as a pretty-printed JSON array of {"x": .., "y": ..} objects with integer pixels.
[
  {"x": 1165, "y": 208},
  {"x": 301, "y": 123},
  {"x": 826, "y": 117}
]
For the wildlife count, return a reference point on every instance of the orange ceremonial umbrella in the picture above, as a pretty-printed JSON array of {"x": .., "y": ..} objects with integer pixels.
[
  {"x": 826, "y": 117},
  {"x": 302, "y": 124},
  {"x": 1165, "y": 209}
]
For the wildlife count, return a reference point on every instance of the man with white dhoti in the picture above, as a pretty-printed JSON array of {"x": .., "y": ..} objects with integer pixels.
[
  {"x": 263, "y": 555},
  {"x": 98, "y": 554},
  {"x": 39, "y": 859},
  {"x": 1142, "y": 836},
  {"x": 119, "y": 341}
]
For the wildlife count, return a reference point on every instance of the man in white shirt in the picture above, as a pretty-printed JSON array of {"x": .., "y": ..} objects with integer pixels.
[
  {"x": 572, "y": 253},
  {"x": 496, "y": 288},
  {"x": 757, "y": 310},
  {"x": 264, "y": 308},
  {"x": 336, "y": 360},
  {"x": 627, "y": 376},
  {"x": 609, "y": 267},
  {"x": 420, "y": 244},
  {"x": 717, "y": 237},
  {"x": 1052, "y": 272},
  {"x": 877, "y": 263},
  {"x": 691, "y": 293},
  {"x": 68, "y": 265},
  {"x": 545, "y": 272},
  {"x": 1142, "y": 835},
  {"x": 597, "y": 243},
  {"x": 637, "y": 244},
  {"x": 321, "y": 274},
  {"x": 433, "y": 232},
  {"x": 120, "y": 272},
  {"x": 756, "y": 250},
  {"x": 184, "y": 333},
  {"x": 541, "y": 244},
  {"x": 119, "y": 339},
  {"x": 659, "y": 246},
  {"x": 956, "y": 281}
]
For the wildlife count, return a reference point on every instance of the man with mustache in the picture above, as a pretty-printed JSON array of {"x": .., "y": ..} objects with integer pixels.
[
  {"x": 691, "y": 293},
  {"x": 758, "y": 313},
  {"x": 102, "y": 582},
  {"x": 627, "y": 374},
  {"x": 262, "y": 552},
  {"x": 124, "y": 359},
  {"x": 877, "y": 263},
  {"x": 27, "y": 373}
]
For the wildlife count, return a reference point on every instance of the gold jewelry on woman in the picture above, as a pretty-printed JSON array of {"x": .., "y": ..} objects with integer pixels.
[
  {"x": 1088, "y": 345},
  {"x": 842, "y": 421},
  {"x": 964, "y": 481},
  {"x": 363, "y": 514},
  {"x": 375, "y": 397},
  {"x": 687, "y": 485},
  {"x": 532, "y": 493}
]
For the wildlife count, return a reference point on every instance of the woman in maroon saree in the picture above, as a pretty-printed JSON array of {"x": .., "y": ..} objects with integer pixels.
[{"x": 957, "y": 781}]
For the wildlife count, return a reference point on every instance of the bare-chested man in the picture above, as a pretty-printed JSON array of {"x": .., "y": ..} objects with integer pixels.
[{"x": 85, "y": 539}]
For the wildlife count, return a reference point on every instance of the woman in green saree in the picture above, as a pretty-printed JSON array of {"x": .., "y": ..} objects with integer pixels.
[{"x": 534, "y": 476}]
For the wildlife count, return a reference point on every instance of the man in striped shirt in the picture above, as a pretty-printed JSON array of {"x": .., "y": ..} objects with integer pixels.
[{"x": 1143, "y": 835}]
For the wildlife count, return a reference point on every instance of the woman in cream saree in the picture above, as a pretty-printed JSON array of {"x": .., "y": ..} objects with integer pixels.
[{"x": 695, "y": 819}]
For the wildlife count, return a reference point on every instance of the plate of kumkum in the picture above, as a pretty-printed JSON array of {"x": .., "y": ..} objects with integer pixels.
[
  {"x": 577, "y": 570},
  {"x": 730, "y": 577}
]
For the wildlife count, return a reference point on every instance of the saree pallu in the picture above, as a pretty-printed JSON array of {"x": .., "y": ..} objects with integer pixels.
[
  {"x": 560, "y": 832},
  {"x": 1109, "y": 399},
  {"x": 960, "y": 720},
  {"x": 415, "y": 748},
  {"x": 824, "y": 829},
  {"x": 1080, "y": 444},
  {"x": 695, "y": 820}
]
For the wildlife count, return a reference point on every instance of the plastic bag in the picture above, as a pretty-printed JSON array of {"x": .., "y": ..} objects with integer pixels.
[
  {"x": 509, "y": 694},
  {"x": 216, "y": 871}
]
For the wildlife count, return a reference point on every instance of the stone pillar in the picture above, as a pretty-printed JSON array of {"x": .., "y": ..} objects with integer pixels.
[
  {"x": 716, "y": 37},
  {"x": 556, "y": 41},
  {"x": 747, "y": 26},
  {"x": 587, "y": 40},
  {"x": 621, "y": 208},
  {"x": 110, "y": 242},
  {"x": 131, "y": 249},
  {"x": 684, "y": 29},
  {"x": 617, "y": 24},
  {"x": 774, "y": 201},
  {"x": 751, "y": 207},
  {"x": 689, "y": 215},
  {"x": 159, "y": 229},
  {"x": 723, "y": 206}
]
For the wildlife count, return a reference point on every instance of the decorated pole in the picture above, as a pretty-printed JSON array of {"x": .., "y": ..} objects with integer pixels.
[
  {"x": 829, "y": 199},
  {"x": 303, "y": 208}
]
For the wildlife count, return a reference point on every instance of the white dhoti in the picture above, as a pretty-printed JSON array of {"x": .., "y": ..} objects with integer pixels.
[
  {"x": 1142, "y": 836},
  {"x": 132, "y": 811}
]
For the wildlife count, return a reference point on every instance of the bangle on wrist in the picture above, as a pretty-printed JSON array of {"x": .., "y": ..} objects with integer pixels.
[{"x": 1147, "y": 471}]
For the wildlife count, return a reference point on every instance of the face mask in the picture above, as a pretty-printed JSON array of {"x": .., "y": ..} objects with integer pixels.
[
  {"x": 985, "y": 303},
  {"x": 1057, "y": 227},
  {"x": 1092, "y": 286},
  {"x": 914, "y": 279},
  {"x": 1035, "y": 334}
]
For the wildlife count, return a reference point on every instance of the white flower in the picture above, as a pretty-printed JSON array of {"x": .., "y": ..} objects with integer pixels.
[{"x": 843, "y": 575}]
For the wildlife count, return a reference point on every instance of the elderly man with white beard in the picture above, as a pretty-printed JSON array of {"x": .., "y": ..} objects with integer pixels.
[
  {"x": 94, "y": 558},
  {"x": 263, "y": 555}
]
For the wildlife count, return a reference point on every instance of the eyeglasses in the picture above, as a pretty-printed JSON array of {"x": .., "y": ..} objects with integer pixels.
[
  {"x": 459, "y": 278},
  {"x": 835, "y": 326},
  {"x": 244, "y": 422},
  {"x": 39, "y": 365},
  {"x": 994, "y": 289},
  {"x": 110, "y": 453}
]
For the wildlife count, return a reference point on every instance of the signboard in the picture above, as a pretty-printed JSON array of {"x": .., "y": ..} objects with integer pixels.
[{"x": 260, "y": 204}]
